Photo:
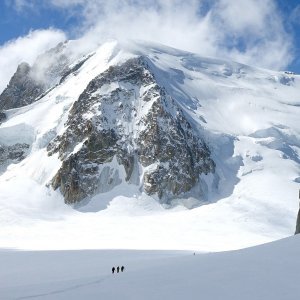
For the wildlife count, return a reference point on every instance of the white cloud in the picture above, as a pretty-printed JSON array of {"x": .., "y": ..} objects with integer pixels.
[
  {"x": 25, "y": 48},
  {"x": 241, "y": 16},
  {"x": 256, "y": 31},
  {"x": 249, "y": 31}
]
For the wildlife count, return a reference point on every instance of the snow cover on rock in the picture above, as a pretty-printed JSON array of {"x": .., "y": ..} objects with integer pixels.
[{"x": 249, "y": 119}]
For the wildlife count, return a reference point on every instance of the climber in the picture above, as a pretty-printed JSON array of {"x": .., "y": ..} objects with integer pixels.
[
  {"x": 122, "y": 268},
  {"x": 113, "y": 270},
  {"x": 118, "y": 269}
]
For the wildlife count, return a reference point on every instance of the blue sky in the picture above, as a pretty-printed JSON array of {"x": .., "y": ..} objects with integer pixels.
[
  {"x": 290, "y": 9},
  {"x": 264, "y": 28},
  {"x": 15, "y": 23}
]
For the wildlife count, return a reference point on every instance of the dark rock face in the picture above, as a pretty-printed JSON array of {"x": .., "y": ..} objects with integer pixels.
[
  {"x": 21, "y": 90},
  {"x": 2, "y": 117},
  {"x": 28, "y": 83},
  {"x": 298, "y": 224},
  {"x": 12, "y": 154},
  {"x": 84, "y": 172},
  {"x": 182, "y": 155},
  {"x": 124, "y": 121}
]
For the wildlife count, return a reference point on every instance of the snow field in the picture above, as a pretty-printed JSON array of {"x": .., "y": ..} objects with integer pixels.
[{"x": 268, "y": 271}]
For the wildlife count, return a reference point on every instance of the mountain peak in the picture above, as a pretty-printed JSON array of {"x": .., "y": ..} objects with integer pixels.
[{"x": 126, "y": 123}]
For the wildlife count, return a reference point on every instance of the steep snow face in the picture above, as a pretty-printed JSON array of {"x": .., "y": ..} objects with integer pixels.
[{"x": 246, "y": 117}]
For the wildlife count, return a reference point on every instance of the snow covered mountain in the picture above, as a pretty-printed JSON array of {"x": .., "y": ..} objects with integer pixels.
[{"x": 129, "y": 129}]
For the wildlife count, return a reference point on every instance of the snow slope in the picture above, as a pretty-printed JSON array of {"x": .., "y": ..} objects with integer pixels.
[
  {"x": 268, "y": 271},
  {"x": 251, "y": 120}
]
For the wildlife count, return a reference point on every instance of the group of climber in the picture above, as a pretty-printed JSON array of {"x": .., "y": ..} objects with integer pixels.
[{"x": 117, "y": 269}]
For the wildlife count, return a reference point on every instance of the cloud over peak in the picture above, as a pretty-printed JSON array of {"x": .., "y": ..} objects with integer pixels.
[
  {"x": 249, "y": 31},
  {"x": 27, "y": 49}
]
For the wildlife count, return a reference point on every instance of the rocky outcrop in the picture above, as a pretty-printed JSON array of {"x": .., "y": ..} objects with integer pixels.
[
  {"x": 2, "y": 117},
  {"x": 12, "y": 154},
  {"x": 298, "y": 224},
  {"x": 176, "y": 157},
  {"x": 298, "y": 221},
  {"x": 124, "y": 126},
  {"x": 28, "y": 83},
  {"x": 21, "y": 90}
]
